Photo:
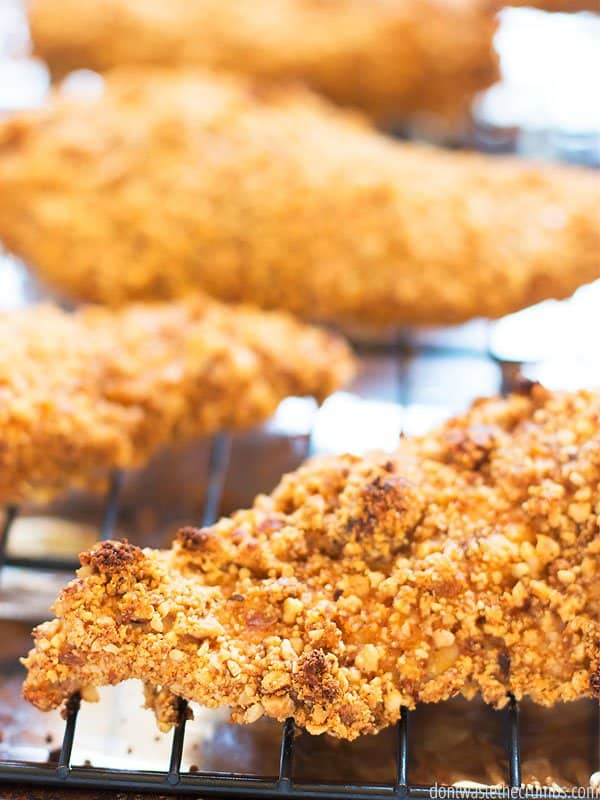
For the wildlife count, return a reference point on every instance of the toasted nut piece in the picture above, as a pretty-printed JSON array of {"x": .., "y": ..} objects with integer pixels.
[{"x": 291, "y": 608}]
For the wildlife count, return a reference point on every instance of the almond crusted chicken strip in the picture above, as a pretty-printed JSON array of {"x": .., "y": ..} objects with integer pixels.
[
  {"x": 189, "y": 180},
  {"x": 392, "y": 58},
  {"x": 468, "y": 561},
  {"x": 82, "y": 393}
]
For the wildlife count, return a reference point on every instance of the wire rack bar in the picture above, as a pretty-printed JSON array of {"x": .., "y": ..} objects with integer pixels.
[
  {"x": 596, "y": 746},
  {"x": 232, "y": 785},
  {"x": 510, "y": 372},
  {"x": 10, "y": 516},
  {"x": 286, "y": 756},
  {"x": 43, "y": 563},
  {"x": 514, "y": 743},
  {"x": 218, "y": 463},
  {"x": 111, "y": 507},
  {"x": 404, "y": 344},
  {"x": 110, "y": 516},
  {"x": 174, "y": 774},
  {"x": 402, "y": 752},
  {"x": 64, "y": 760}
]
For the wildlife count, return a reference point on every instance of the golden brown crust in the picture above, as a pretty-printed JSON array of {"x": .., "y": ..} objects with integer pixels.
[
  {"x": 279, "y": 199},
  {"x": 82, "y": 393},
  {"x": 468, "y": 561},
  {"x": 391, "y": 59}
]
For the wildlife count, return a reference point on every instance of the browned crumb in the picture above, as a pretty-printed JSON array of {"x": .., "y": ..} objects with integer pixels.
[
  {"x": 467, "y": 562},
  {"x": 190, "y": 180},
  {"x": 84, "y": 392},
  {"x": 393, "y": 59}
]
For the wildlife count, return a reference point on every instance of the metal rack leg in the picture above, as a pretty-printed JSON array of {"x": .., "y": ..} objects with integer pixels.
[
  {"x": 111, "y": 508},
  {"x": 64, "y": 761},
  {"x": 10, "y": 516},
  {"x": 402, "y": 731},
  {"x": 514, "y": 744},
  {"x": 174, "y": 774},
  {"x": 217, "y": 472},
  {"x": 595, "y": 783},
  {"x": 286, "y": 755}
]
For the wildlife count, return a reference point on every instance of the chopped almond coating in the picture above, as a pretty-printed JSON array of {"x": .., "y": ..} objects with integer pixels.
[
  {"x": 392, "y": 58},
  {"x": 188, "y": 181},
  {"x": 467, "y": 562},
  {"x": 82, "y": 393}
]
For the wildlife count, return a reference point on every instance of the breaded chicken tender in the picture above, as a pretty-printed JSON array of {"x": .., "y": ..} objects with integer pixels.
[
  {"x": 392, "y": 58},
  {"x": 190, "y": 180},
  {"x": 468, "y": 561},
  {"x": 84, "y": 392}
]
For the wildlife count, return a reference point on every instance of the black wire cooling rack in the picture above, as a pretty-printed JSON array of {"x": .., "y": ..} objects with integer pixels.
[{"x": 171, "y": 779}]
